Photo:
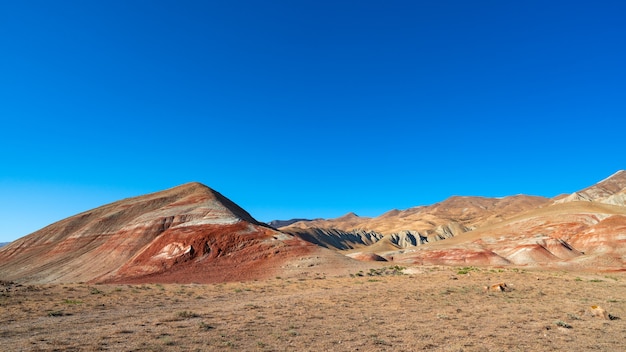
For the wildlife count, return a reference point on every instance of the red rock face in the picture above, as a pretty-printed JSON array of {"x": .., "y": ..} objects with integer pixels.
[
  {"x": 186, "y": 234},
  {"x": 210, "y": 253},
  {"x": 457, "y": 256}
]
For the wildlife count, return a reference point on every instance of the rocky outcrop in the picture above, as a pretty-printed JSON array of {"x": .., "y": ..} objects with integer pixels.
[
  {"x": 336, "y": 239},
  {"x": 408, "y": 238},
  {"x": 404, "y": 239}
]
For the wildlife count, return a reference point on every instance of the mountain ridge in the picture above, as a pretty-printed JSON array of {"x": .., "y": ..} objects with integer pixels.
[
  {"x": 192, "y": 233},
  {"x": 189, "y": 233},
  {"x": 525, "y": 230}
]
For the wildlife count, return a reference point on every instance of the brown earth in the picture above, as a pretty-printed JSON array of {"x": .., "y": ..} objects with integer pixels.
[{"x": 429, "y": 308}]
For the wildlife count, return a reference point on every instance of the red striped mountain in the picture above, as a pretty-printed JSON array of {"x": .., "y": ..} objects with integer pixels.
[
  {"x": 189, "y": 233},
  {"x": 585, "y": 230}
]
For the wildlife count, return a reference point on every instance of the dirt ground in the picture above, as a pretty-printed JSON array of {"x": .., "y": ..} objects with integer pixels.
[{"x": 384, "y": 309}]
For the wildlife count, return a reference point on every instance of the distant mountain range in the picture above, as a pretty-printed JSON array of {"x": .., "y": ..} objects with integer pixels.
[
  {"x": 586, "y": 229},
  {"x": 2, "y": 244},
  {"x": 282, "y": 223},
  {"x": 192, "y": 233}
]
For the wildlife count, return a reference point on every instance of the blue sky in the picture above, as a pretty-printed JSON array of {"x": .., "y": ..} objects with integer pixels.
[{"x": 305, "y": 108}]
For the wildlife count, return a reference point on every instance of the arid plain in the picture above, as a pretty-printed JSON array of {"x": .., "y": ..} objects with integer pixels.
[{"x": 378, "y": 309}]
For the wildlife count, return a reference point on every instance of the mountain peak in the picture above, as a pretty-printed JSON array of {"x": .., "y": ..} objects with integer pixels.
[
  {"x": 618, "y": 177},
  {"x": 607, "y": 187},
  {"x": 188, "y": 227},
  {"x": 601, "y": 191},
  {"x": 349, "y": 215}
]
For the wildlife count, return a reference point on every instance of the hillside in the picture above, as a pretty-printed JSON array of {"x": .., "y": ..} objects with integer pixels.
[
  {"x": 584, "y": 230},
  {"x": 419, "y": 225},
  {"x": 192, "y": 233},
  {"x": 611, "y": 190},
  {"x": 189, "y": 233}
]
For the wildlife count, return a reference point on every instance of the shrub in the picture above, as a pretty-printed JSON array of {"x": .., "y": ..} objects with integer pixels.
[{"x": 562, "y": 324}]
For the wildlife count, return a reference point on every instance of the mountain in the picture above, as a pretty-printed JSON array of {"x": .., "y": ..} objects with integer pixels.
[
  {"x": 584, "y": 230},
  {"x": 611, "y": 190},
  {"x": 189, "y": 233},
  {"x": 346, "y": 222},
  {"x": 578, "y": 235},
  {"x": 282, "y": 223},
  {"x": 192, "y": 233},
  {"x": 423, "y": 224},
  {"x": 334, "y": 238}
]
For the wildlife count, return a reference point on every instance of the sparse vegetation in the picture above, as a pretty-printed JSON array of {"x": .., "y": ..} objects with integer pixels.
[
  {"x": 563, "y": 324},
  {"x": 205, "y": 326},
  {"x": 72, "y": 301},
  {"x": 187, "y": 314},
  {"x": 467, "y": 270},
  {"x": 95, "y": 291},
  {"x": 384, "y": 271},
  {"x": 55, "y": 313},
  {"x": 338, "y": 313}
]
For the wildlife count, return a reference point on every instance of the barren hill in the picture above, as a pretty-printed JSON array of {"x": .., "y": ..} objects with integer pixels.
[
  {"x": 189, "y": 233},
  {"x": 418, "y": 225},
  {"x": 577, "y": 235},
  {"x": 282, "y": 223},
  {"x": 584, "y": 230},
  {"x": 192, "y": 233},
  {"x": 611, "y": 190}
]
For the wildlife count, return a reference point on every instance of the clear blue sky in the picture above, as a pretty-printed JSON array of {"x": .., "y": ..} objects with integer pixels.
[{"x": 305, "y": 108}]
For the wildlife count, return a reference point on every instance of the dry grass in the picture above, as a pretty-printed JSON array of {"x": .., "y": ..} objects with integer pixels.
[{"x": 433, "y": 308}]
